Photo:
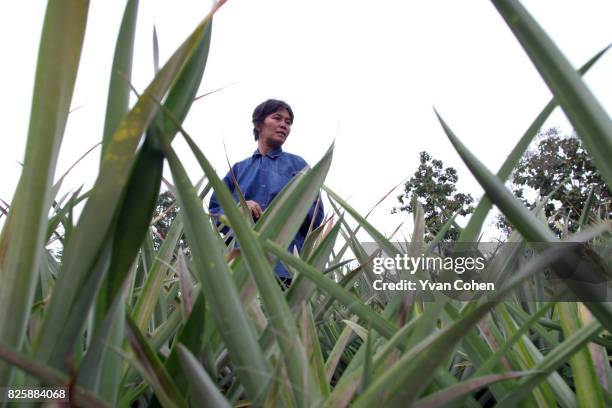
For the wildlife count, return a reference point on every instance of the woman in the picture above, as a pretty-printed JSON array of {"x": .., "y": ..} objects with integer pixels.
[{"x": 264, "y": 174}]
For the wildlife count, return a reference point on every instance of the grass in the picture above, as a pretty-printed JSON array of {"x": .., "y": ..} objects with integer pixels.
[{"x": 124, "y": 324}]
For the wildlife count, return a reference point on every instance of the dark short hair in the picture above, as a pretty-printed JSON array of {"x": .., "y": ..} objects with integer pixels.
[{"x": 266, "y": 108}]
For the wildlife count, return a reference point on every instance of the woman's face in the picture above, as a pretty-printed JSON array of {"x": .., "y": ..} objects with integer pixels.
[{"x": 275, "y": 128}]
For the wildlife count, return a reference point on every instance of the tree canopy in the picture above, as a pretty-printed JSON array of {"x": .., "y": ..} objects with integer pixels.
[
  {"x": 165, "y": 212},
  {"x": 435, "y": 187},
  {"x": 559, "y": 166}
]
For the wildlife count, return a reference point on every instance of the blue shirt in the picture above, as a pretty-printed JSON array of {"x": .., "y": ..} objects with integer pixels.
[{"x": 261, "y": 178}]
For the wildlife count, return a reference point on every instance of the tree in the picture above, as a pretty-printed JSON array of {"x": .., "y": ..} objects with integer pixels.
[
  {"x": 166, "y": 210},
  {"x": 560, "y": 166},
  {"x": 435, "y": 188}
]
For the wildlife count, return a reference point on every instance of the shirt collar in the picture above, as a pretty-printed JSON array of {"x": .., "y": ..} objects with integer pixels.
[{"x": 274, "y": 153}]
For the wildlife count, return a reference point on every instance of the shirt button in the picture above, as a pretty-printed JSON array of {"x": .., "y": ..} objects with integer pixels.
[{"x": 263, "y": 186}]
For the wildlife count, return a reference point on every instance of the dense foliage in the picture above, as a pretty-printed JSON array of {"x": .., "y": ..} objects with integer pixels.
[
  {"x": 434, "y": 187},
  {"x": 561, "y": 169},
  {"x": 165, "y": 212}
]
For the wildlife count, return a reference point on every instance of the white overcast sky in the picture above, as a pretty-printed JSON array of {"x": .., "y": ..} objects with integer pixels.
[{"x": 364, "y": 73}]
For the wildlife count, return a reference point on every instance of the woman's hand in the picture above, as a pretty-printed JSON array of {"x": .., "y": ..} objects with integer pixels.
[{"x": 255, "y": 208}]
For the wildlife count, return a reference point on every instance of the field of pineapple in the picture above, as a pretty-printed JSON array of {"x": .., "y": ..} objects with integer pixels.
[{"x": 116, "y": 321}]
